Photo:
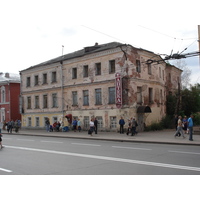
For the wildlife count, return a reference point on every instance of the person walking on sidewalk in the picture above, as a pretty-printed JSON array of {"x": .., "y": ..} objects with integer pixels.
[
  {"x": 121, "y": 123},
  {"x": 1, "y": 146},
  {"x": 179, "y": 127},
  {"x": 47, "y": 123},
  {"x": 95, "y": 125},
  {"x": 134, "y": 125},
  {"x": 190, "y": 127}
]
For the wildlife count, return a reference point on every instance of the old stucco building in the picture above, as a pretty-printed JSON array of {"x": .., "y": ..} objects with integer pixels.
[{"x": 106, "y": 81}]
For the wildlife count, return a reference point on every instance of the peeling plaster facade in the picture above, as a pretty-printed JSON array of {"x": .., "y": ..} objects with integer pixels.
[{"x": 83, "y": 84}]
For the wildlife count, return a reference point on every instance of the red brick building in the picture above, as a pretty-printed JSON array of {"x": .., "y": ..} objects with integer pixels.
[{"x": 9, "y": 97}]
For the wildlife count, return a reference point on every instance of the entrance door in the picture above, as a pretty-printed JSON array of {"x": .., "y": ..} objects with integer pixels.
[{"x": 140, "y": 127}]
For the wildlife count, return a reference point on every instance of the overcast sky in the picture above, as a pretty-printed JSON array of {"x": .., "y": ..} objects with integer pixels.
[{"x": 32, "y": 32}]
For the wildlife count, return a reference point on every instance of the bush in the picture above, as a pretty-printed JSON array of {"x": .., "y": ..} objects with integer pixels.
[
  {"x": 196, "y": 119},
  {"x": 154, "y": 126}
]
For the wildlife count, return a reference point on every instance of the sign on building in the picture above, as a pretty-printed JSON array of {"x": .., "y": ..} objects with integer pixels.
[{"x": 118, "y": 87}]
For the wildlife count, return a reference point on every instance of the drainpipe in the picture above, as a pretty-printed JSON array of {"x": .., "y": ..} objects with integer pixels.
[{"x": 62, "y": 88}]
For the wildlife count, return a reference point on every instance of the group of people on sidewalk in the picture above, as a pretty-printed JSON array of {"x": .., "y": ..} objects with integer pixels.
[
  {"x": 185, "y": 125},
  {"x": 10, "y": 125},
  {"x": 132, "y": 125}
]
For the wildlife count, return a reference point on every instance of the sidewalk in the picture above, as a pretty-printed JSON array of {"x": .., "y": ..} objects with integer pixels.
[{"x": 163, "y": 136}]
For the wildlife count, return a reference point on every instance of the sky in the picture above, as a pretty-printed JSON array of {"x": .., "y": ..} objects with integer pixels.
[{"x": 34, "y": 31}]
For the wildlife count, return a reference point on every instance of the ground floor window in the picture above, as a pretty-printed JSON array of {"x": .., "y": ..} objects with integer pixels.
[
  {"x": 86, "y": 122},
  {"x": 29, "y": 121},
  {"x": 100, "y": 122},
  {"x": 37, "y": 121},
  {"x": 113, "y": 122}
]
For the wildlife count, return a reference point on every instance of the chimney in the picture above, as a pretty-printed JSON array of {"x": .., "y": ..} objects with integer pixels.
[
  {"x": 96, "y": 44},
  {"x": 7, "y": 75}
]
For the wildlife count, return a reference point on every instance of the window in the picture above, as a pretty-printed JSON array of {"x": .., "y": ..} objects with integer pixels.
[
  {"x": 54, "y": 100},
  {"x": 150, "y": 95},
  {"x": 111, "y": 91},
  {"x": 86, "y": 122},
  {"x": 29, "y": 121},
  {"x": 36, "y": 101},
  {"x": 113, "y": 122},
  {"x": 37, "y": 121},
  {"x": 139, "y": 95},
  {"x": 161, "y": 96},
  {"x": 85, "y": 97},
  {"x": 44, "y": 78},
  {"x": 85, "y": 71},
  {"x": 28, "y": 102},
  {"x": 98, "y": 96},
  {"x": 74, "y": 98},
  {"x": 149, "y": 68},
  {"x": 3, "y": 95},
  {"x": 28, "y": 81},
  {"x": 138, "y": 66},
  {"x": 100, "y": 122},
  {"x": 160, "y": 72},
  {"x": 98, "y": 69},
  {"x": 36, "y": 80},
  {"x": 55, "y": 119},
  {"x": 112, "y": 66},
  {"x": 45, "y": 101},
  {"x": 53, "y": 77},
  {"x": 74, "y": 73}
]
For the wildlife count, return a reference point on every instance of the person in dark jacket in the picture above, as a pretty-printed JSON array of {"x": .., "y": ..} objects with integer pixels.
[
  {"x": 121, "y": 123},
  {"x": 95, "y": 125}
]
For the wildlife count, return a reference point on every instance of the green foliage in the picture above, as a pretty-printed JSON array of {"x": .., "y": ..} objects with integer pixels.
[
  {"x": 196, "y": 119},
  {"x": 154, "y": 127}
]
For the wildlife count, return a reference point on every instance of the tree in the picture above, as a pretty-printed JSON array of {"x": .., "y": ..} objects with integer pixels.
[{"x": 185, "y": 76}]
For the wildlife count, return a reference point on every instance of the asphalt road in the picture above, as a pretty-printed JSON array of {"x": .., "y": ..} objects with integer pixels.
[{"x": 36, "y": 155}]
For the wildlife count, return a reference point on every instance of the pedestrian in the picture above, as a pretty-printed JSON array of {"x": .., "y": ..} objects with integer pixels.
[
  {"x": 74, "y": 124},
  {"x": 47, "y": 123},
  {"x": 90, "y": 131},
  {"x": 95, "y": 125},
  {"x": 129, "y": 126},
  {"x": 190, "y": 127},
  {"x": 1, "y": 146},
  {"x": 134, "y": 125},
  {"x": 185, "y": 124},
  {"x": 79, "y": 125},
  {"x": 16, "y": 126},
  {"x": 10, "y": 126},
  {"x": 179, "y": 127},
  {"x": 121, "y": 123}
]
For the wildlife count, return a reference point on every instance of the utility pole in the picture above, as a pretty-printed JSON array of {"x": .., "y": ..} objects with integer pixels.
[{"x": 199, "y": 41}]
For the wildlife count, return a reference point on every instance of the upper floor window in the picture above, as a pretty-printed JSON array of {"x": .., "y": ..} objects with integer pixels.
[
  {"x": 36, "y": 101},
  {"x": 74, "y": 73},
  {"x": 149, "y": 69},
  {"x": 112, "y": 66},
  {"x": 54, "y": 100},
  {"x": 98, "y": 96},
  {"x": 85, "y": 71},
  {"x": 3, "y": 95},
  {"x": 98, "y": 69},
  {"x": 150, "y": 95},
  {"x": 28, "y": 81},
  {"x": 44, "y": 79},
  {"x": 45, "y": 101},
  {"x": 53, "y": 77},
  {"x": 111, "y": 93},
  {"x": 36, "y": 80},
  {"x": 28, "y": 102},
  {"x": 138, "y": 66},
  {"x": 85, "y": 97}
]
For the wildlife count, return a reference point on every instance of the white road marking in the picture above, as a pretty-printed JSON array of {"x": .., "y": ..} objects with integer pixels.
[
  {"x": 131, "y": 148},
  {"x": 51, "y": 141},
  {"x": 110, "y": 158},
  {"x": 5, "y": 170},
  {"x": 27, "y": 140},
  {"x": 184, "y": 152},
  {"x": 95, "y": 145}
]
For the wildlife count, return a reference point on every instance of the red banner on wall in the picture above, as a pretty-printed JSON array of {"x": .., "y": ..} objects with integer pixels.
[{"x": 118, "y": 89}]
